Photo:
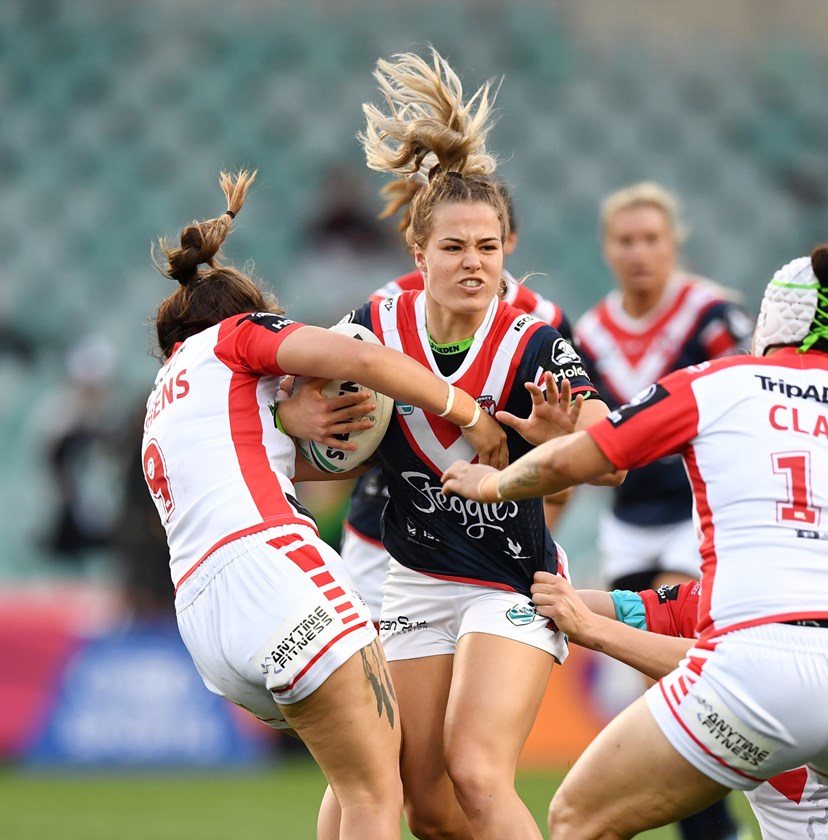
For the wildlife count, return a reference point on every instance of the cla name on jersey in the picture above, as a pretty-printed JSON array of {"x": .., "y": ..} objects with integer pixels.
[
  {"x": 171, "y": 390},
  {"x": 783, "y": 418}
]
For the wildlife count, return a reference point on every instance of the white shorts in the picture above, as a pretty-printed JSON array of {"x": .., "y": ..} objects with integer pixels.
[
  {"x": 269, "y": 617},
  {"x": 367, "y": 562},
  {"x": 628, "y": 549},
  {"x": 426, "y": 616},
  {"x": 792, "y": 805},
  {"x": 750, "y": 707}
]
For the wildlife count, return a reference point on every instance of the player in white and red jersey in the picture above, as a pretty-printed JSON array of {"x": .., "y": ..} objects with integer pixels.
[
  {"x": 659, "y": 319},
  {"x": 745, "y": 704},
  {"x": 456, "y": 622},
  {"x": 792, "y": 805},
  {"x": 265, "y": 607}
]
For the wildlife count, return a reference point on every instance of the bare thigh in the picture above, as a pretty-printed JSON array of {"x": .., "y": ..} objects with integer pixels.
[
  {"x": 629, "y": 779},
  {"x": 351, "y": 727},
  {"x": 423, "y": 686},
  {"x": 496, "y": 692}
]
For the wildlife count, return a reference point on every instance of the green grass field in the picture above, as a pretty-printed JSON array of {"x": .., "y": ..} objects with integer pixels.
[{"x": 277, "y": 803}]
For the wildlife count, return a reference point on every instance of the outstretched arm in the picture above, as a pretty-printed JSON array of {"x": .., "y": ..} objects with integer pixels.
[
  {"x": 549, "y": 468},
  {"x": 554, "y": 414},
  {"x": 651, "y": 653}
]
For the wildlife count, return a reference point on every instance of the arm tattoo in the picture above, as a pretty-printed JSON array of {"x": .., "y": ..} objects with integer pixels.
[
  {"x": 376, "y": 672},
  {"x": 527, "y": 478}
]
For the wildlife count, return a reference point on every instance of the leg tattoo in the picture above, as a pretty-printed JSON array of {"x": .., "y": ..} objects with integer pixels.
[{"x": 376, "y": 671}]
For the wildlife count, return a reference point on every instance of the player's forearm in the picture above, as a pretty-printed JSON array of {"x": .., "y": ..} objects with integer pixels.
[
  {"x": 650, "y": 653},
  {"x": 549, "y": 468}
]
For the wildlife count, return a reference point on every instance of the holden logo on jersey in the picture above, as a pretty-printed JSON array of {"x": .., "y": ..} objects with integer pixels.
[
  {"x": 521, "y": 614},
  {"x": 563, "y": 353},
  {"x": 275, "y": 323},
  {"x": 644, "y": 399}
]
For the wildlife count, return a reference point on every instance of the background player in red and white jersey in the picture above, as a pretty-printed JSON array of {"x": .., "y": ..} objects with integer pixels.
[
  {"x": 265, "y": 607},
  {"x": 792, "y": 805},
  {"x": 746, "y": 703},
  {"x": 658, "y": 319}
]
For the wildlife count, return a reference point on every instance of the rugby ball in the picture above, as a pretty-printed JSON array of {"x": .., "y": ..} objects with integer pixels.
[{"x": 327, "y": 458}]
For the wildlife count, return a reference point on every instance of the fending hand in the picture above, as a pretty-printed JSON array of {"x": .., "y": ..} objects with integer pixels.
[{"x": 554, "y": 413}]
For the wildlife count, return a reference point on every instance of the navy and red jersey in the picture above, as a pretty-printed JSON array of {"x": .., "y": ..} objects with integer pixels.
[
  {"x": 693, "y": 323},
  {"x": 369, "y": 495},
  {"x": 499, "y": 545}
]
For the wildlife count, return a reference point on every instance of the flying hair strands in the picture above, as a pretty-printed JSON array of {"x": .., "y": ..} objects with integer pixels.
[{"x": 427, "y": 123}]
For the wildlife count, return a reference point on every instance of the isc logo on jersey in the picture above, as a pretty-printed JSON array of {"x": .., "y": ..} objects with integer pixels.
[{"x": 331, "y": 460}]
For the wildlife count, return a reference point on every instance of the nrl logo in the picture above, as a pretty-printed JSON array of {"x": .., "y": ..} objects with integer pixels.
[{"x": 521, "y": 614}]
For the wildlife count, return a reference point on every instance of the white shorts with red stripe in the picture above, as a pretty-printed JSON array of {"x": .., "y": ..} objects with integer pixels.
[
  {"x": 269, "y": 617},
  {"x": 749, "y": 704}
]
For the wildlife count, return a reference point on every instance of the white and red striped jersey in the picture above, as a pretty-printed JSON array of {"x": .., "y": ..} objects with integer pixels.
[
  {"x": 215, "y": 463},
  {"x": 753, "y": 435}
]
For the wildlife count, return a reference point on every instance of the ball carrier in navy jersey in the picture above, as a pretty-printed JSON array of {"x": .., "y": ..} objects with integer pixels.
[
  {"x": 497, "y": 545},
  {"x": 448, "y": 606},
  {"x": 361, "y": 547}
]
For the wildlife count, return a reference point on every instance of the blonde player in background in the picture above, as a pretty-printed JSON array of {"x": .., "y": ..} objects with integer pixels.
[
  {"x": 747, "y": 702},
  {"x": 265, "y": 607}
]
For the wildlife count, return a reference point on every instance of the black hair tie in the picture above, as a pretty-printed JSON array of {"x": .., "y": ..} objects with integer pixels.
[{"x": 230, "y": 213}]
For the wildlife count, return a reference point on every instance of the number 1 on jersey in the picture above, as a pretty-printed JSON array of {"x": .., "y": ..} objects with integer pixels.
[{"x": 796, "y": 467}]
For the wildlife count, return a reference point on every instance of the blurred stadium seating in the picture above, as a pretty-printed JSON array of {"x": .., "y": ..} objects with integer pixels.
[{"x": 117, "y": 117}]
